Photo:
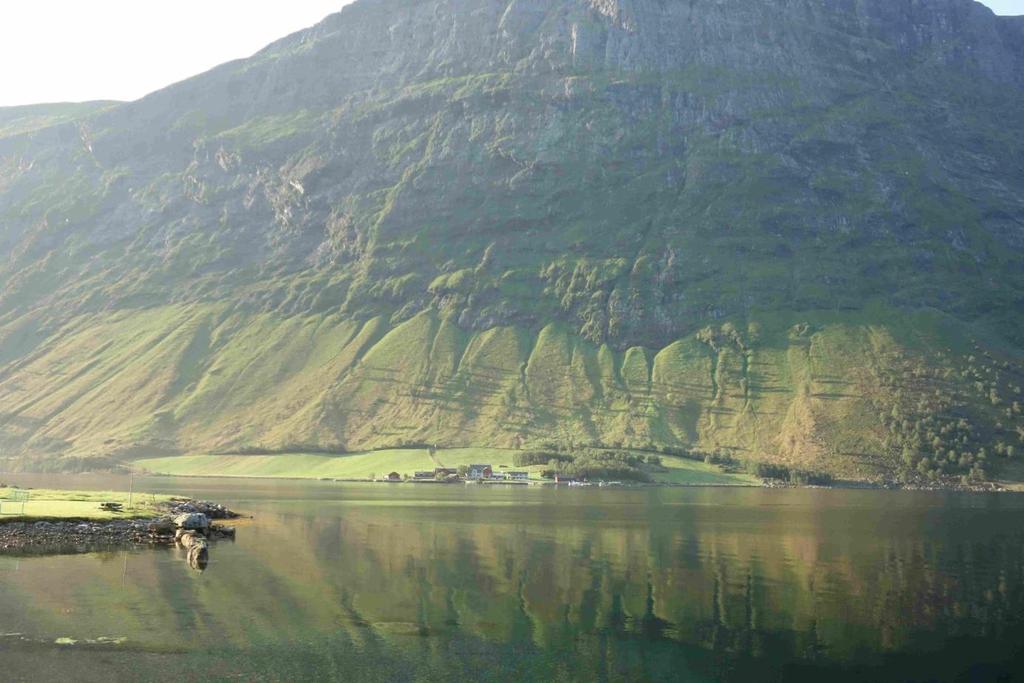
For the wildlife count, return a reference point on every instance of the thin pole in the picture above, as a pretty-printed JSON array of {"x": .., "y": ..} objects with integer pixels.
[{"x": 131, "y": 485}]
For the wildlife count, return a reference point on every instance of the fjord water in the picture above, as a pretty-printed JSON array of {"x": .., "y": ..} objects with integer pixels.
[{"x": 418, "y": 582}]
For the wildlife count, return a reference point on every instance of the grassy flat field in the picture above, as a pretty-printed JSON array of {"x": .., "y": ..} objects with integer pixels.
[
  {"x": 314, "y": 466},
  {"x": 405, "y": 461},
  {"x": 51, "y": 504},
  {"x": 693, "y": 473}
]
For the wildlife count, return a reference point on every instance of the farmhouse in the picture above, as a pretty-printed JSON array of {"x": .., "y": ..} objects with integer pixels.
[
  {"x": 479, "y": 472},
  {"x": 518, "y": 476}
]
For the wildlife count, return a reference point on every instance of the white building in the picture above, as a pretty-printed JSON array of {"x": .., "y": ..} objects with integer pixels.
[{"x": 479, "y": 472}]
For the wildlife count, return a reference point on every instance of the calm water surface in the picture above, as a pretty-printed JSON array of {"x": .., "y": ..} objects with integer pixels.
[{"x": 394, "y": 583}]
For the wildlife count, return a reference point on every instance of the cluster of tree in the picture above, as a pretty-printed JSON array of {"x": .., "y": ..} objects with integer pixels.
[
  {"x": 528, "y": 458},
  {"x": 939, "y": 435},
  {"x": 1005, "y": 450},
  {"x": 552, "y": 451},
  {"x": 935, "y": 464},
  {"x": 680, "y": 452},
  {"x": 688, "y": 453},
  {"x": 810, "y": 478},
  {"x": 933, "y": 449},
  {"x": 594, "y": 464},
  {"x": 721, "y": 458},
  {"x": 794, "y": 476}
]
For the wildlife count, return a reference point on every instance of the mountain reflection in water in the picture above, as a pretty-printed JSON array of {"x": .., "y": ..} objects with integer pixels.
[{"x": 443, "y": 583}]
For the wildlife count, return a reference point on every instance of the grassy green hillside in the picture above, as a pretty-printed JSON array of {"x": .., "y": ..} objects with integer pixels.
[
  {"x": 378, "y": 464},
  {"x": 869, "y": 395}
]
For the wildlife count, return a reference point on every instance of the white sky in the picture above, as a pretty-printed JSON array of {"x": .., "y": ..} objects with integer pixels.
[
  {"x": 1012, "y": 7},
  {"x": 74, "y": 50}
]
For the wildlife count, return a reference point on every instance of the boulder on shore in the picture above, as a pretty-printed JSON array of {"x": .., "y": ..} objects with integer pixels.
[
  {"x": 211, "y": 510},
  {"x": 195, "y": 521}
]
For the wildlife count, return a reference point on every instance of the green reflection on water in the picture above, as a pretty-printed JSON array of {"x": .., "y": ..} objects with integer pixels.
[{"x": 442, "y": 583}]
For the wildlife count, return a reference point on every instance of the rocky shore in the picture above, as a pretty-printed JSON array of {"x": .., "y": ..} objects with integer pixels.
[
  {"x": 893, "y": 485},
  {"x": 82, "y": 536}
]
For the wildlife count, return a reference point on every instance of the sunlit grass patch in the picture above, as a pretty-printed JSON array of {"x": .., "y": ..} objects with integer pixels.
[
  {"x": 378, "y": 464},
  {"x": 56, "y": 504}
]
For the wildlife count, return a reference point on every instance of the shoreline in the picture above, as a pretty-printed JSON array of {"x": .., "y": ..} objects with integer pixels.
[
  {"x": 24, "y": 536},
  {"x": 840, "y": 485},
  {"x": 529, "y": 484},
  {"x": 1001, "y": 487},
  {"x": 664, "y": 470}
]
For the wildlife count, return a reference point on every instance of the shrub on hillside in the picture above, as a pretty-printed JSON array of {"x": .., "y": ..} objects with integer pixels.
[
  {"x": 766, "y": 470},
  {"x": 528, "y": 458},
  {"x": 719, "y": 458},
  {"x": 811, "y": 478},
  {"x": 782, "y": 473}
]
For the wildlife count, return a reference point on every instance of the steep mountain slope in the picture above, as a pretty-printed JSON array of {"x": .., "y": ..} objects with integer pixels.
[{"x": 786, "y": 229}]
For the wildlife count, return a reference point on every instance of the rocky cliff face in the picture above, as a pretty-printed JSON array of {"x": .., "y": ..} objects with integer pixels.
[
  {"x": 302, "y": 155},
  {"x": 632, "y": 170}
]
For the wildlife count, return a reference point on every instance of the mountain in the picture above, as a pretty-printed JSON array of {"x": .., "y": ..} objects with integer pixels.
[{"x": 785, "y": 231}]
